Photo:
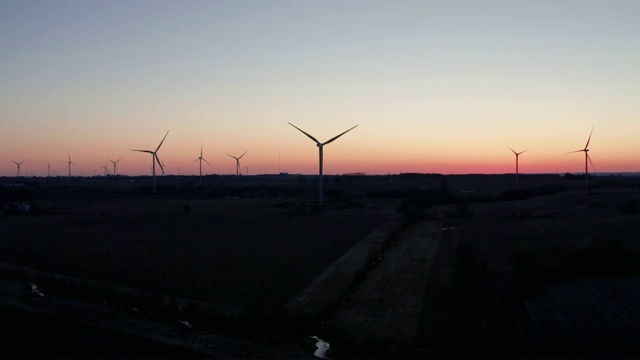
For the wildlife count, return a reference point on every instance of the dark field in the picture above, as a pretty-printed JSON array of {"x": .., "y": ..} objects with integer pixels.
[{"x": 479, "y": 266}]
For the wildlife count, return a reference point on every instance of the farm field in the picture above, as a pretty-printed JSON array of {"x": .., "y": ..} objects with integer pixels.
[
  {"x": 546, "y": 276},
  {"x": 409, "y": 265},
  {"x": 245, "y": 253}
]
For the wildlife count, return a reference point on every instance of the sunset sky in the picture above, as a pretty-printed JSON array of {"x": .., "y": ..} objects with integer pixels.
[{"x": 435, "y": 86}]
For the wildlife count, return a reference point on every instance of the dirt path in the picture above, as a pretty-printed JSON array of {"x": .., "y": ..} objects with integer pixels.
[
  {"x": 384, "y": 312},
  {"x": 336, "y": 280}
]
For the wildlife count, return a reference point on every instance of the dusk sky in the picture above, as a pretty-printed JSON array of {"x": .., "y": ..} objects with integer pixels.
[{"x": 435, "y": 86}]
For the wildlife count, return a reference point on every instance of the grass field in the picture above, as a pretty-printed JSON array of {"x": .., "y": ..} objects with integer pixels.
[
  {"x": 239, "y": 252},
  {"x": 559, "y": 281},
  {"x": 535, "y": 268}
]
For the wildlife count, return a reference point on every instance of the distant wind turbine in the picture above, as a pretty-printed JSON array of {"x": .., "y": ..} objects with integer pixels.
[
  {"x": 69, "y": 163},
  {"x": 48, "y": 169},
  {"x": 517, "y": 155},
  {"x": 154, "y": 159},
  {"x": 201, "y": 159},
  {"x": 238, "y": 171},
  {"x": 18, "y": 165},
  {"x": 587, "y": 159},
  {"x": 114, "y": 165},
  {"x": 106, "y": 169},
  {"x": 320, "y": 146}
]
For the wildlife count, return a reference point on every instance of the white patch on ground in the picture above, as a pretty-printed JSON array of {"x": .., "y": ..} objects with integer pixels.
[
  {"x": 322, "y": 348},
  {"x": 185, "y": 323},
  {"x": 35, "y": 290}
]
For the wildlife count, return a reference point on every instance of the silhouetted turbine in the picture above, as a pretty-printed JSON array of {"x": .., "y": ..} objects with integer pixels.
[
  {"x": 114, "y": 165},
  {"x": 18, "y": 165},
  {"x": 587, "y": 159},
  {"x": 106, "y": 169},
  {"x": 69, "y": 163},
  {"x": 517, "y": 155},
  {"x": 320, "y": 146},
  {"x": 154, "y": 159},
  {"x": 201, "y": 159},
  {"x": 238, "y": 162}
]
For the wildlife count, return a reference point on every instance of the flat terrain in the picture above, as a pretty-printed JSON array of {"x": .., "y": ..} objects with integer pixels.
[
  {"x": 410, "y": 265},
  {"x": 240, "y": 252}
]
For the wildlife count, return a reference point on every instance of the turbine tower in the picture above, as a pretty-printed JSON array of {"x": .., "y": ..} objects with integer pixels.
[
  {"x": 320, "y": 146},
  {"x": 114, "y": 165},
  {"x": 201, "y": 159},
  {"x": 238, "y": 162},
  {"x": 69, "y": 163},
  {"x": 517, "y": 155},
  {"x": 154, "y": 159},
  {"x": 18, "y": 165},
  {"x": 587, "y": 160}
]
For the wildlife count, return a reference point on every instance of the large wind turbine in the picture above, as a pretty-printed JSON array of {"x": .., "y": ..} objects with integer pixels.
[
  {"x": 201, "y": 159},
  {"x": 517, "y": 155},
  {"x": 238, "y": 162},
  {"x": 154, "y": 159},
  {"x": 18, "y": 165},
  {"x": 320, "y": 146},
  {"x": 69, "y": 163},
  {"x": 114, "y": 165},
  {"x": 587, "y": 159}
]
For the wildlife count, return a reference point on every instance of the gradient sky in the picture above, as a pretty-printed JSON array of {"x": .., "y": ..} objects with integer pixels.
[{"x": 435, "y": 86}]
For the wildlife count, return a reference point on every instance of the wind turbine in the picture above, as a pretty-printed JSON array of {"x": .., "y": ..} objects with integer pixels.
[
  {"x": 320, "y": 146},
  {"x": 48, "y": 169},
  {"x": 238, "y": 162},
  {"x": 18, "y": 165},
  {"x": 517, "y": 155},
  {"x": 201, "y": 159},
  {"x": 69, "y": 163},
  {"x": 114, "y": 165},
  {"x": 154, "y": 159},
  {"x": 106, "y": 170},
  {"x": 587, "y": 159}
]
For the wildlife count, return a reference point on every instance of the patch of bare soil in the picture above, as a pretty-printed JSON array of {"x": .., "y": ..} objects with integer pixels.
[{"x": 382, "y": 315}]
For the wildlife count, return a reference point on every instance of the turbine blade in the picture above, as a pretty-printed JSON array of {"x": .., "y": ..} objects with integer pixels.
[
  {"x": 144, "y": 151},
  {"x": 589, "y": 139},
  {"x": 165, "y": 136},
  {"x": 571, "y": 152},
  {"x": 242, "y": 155},
  {"x": 337, "y": 136},
  {"x": 302, "y": 131},
  {"x": 203, "y": 159},
  {"x": 155, "y": 156},
  {"x": 193, "y": 161},
  {"x": 523, "y": 151},
  {"x": 589, "y": 158},
  {"x": 513, "y": 151},
  {"x": 233, "y": 157}
]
